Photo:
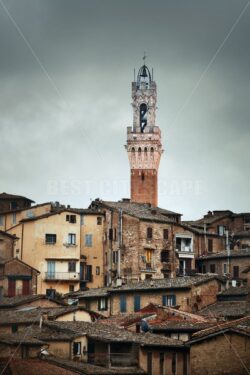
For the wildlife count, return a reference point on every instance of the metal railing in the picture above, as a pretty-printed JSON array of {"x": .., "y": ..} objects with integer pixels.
[{"x": 62, "y": 276}]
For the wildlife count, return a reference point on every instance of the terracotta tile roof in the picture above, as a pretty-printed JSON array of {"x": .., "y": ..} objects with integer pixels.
[
  {"x": 22, "y": 338},
  {"x": 227, "y": 309},
  {"x": 224, "y": 254},
  {"x": 175, "y": 283},
  {"x": 35, "y": 367},
  {"x": 89, "y": 369},
  {"x": 4, "y": 261},
  {"x": 236, "y": 291},
  {"x": 26, "y": 208},
  {"x": 7, "y": 302},
  {"x": 90, "y": 293},
  {"x": 240, "y": 325},
  {"x": 8, "y": 235},
  {"x": 178, "y": 325},
  {"x": 141, "y": 211},
  {"x": 101, "y": 332},
  {"x": 6, "y": 196}
]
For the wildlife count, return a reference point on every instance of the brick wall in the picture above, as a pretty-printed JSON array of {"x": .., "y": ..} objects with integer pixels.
[
  {"x": 222, "y": 354},
  {"x": 144, "y": 186}
]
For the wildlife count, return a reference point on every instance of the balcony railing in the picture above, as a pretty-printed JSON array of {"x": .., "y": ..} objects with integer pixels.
[
  {"x": 62, "y": 276},
  {"x": 184, "y": 249},
  {"x": 148, "y": 267}
]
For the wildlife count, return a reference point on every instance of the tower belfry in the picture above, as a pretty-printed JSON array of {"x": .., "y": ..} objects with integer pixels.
[{"x": 144, "y": 140}]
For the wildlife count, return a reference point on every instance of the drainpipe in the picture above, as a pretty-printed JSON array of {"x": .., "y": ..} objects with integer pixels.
[
  {"x": 228, "y": 251},
  {"x": 205, "y": 237},
  {"x": 22, "y": 241},
  {"x": 111, "y": 248},
  {"x": 120, "y": 244}
]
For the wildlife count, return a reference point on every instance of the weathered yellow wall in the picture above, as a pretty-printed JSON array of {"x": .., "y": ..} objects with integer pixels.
[{"x": 94, "y": 254}]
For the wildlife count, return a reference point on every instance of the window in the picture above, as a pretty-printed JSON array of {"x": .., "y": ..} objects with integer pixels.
[
  {"x": 174, "y": 361},
  {"x": 50, "y": 293},
  {"x": 110, "y": 234},
  {"x": 72, "y": 266},
  {"x": 88, "y": 240},
  {"x": 71, "y": 218},
  {"x": 115, "y": 238},
  {"x": 235, "y": 272},
  {"x": 97, "y": 270},
  {"x": 169, "y": 300},
  {"x": 99, "y": 220},
  {"x": 137, "y": 303},
  {"x": 149, "y": 233},
  {"x": 161, "y": 363},
  {"x": 102, "y": 304},
  {"x": 149, "y": 254},
  {"x": 76, "y": 348},
  {"x": 165, "y": 256},
  {"x": 165, "y": 234},
  {"x": 50, "y": 239},
  {"x": 123, "y": 304},
  {"x": 13, "y": 205},
  {"x": 82, "y": 219},
  {"x": 115, "y": 257},
  {"x": 210, "y": 245},
  {"x": 1, "y": 219},
  {"x": 212, "y": 268},
  {"x": 14, "y": 328},
  {"x": 71, "y": 239},
  {"x": 89, "y": 273},
  {"x": 14, "y": 218},
  {"x": 224, "y": 268},
  {"x": 221, "y": 230},
  {"x": 71, "y": 288},
  {"x": 149, "y": 363}
]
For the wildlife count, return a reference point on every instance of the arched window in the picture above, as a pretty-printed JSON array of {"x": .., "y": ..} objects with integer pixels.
[
  {"x": 152, "y": 149},
  {"x": 139, "y": 149},
  {"x": 132, "y": 149},
  {"x": 143, "y": 116}
]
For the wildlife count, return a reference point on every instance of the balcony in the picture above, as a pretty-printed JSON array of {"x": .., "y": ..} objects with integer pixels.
[
  {"x": 149, "y": 267},
  {"x": 67, "y": 276}
]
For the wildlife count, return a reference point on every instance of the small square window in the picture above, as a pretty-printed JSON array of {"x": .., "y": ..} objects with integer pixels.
[
  {"x": 50, "y": 239},
  {"x": 72, "y": 266},
  {"x": 71, "y": 219},
  {"x": 99, "y": 220}
]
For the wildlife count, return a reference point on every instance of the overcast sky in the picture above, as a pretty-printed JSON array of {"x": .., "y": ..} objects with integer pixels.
[{"x": 65, "y": 99}]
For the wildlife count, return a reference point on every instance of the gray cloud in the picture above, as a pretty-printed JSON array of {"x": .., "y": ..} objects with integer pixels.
[{"x": 69, "y": 147}]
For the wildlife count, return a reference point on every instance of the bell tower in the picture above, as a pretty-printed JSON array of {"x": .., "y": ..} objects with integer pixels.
[{"x": 144, "y": 140}]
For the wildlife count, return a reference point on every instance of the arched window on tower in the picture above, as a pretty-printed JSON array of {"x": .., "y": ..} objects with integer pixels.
[{"x": 143, "y": 116}]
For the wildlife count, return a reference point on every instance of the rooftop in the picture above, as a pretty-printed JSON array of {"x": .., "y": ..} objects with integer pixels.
[
  {"x": 185, "y": 282},
  {"x": 142, "y": 211},
  {"x": 240, "y": 325},
  {"x": 102, "y": 332},
  {"x": 6, "y": 196},
  {"x": 224, "y": 254},
  {"x": 6, "y": 302},
  {"x": 226, "y": 309}
]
